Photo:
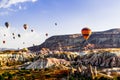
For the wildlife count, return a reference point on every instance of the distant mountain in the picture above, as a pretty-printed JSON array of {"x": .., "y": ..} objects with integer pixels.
[
  {"x": 116, "y": 30},
  {"x": 3, "y": 49},
  {"x": 75, "y": 42}
]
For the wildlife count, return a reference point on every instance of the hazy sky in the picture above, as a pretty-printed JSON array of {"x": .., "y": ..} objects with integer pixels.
[{"x": 41, "y": 15}]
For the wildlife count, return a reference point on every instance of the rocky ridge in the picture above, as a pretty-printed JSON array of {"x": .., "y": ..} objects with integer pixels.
[
  {"x": 100, "y": 58},
  {"x": 9, "y": 59},
  {"x": 75, "y": 42},
  {"x": 47, "y": 62},
  {"x": 101, "y": 62},
  {"x": 105, "y": 59}
]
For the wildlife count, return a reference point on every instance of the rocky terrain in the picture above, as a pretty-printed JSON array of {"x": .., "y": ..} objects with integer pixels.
[
  {"x": 65, "y": 57},
  {"x": 12, "y": 58},
  {"x": 105, "y": 59},
  {"x": 75, "y": 42},
  {"x": 98, "y": 62},
  {"x": 90, "y": 64},
  {"x": 47, "y": 62}
]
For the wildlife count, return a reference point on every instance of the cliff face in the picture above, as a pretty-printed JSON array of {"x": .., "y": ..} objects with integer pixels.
[
  {"x": 13, "y": 59},
  {"x": 75, "y": 42},
  {"x": 47, "y": 62},
  {"x": 101, "y": 59}
]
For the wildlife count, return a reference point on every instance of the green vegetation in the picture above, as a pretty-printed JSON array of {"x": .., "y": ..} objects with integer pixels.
[
  {"x": 47, "y": 73},
  {"x": 1, "y": 77}
]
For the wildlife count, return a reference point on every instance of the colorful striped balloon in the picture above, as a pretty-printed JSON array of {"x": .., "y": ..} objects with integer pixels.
[{"x": 86, "y": 32}]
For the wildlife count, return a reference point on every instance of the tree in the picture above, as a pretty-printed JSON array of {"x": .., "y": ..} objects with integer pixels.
[{"x": 1, "y": 77}]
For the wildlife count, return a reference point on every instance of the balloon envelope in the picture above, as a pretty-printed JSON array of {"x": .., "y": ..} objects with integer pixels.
[
  {"x": 4, "y": 34},
  {"x": 55, "y": 24},
  {"x": 13, "y": 37},
  {"x": 19, "y": 35},
  {"x": 46, "y": 34},
  {"x": 31, "y": 30},
  {"x": 23, "y": 42},
  {"x": 86, "y": 32},
  {"x": 3, "y": 42},
  {"x": 6, "y": 24},
  {"x": 25, "y": 26},
  {"x": 13, "y": 34}
]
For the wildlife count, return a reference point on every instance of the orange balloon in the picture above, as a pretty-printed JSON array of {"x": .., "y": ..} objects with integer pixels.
[{"x": 86, "y": 32}]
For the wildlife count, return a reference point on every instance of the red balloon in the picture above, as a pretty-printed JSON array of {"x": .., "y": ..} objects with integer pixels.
[{"x": 3, "y": 42}]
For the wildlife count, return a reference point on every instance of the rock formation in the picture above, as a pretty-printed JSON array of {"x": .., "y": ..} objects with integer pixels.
[
  {"x": 15, "y": 58},
  {"x": 47, "y": 62},
  {"x": 75, "y": 42},
  {"x": 101, "y": 59}
]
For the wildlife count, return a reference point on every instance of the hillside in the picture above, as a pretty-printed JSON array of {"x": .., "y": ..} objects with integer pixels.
[
  {"x": 97, "y": 63},
  {"x": 75, "y": 42}
]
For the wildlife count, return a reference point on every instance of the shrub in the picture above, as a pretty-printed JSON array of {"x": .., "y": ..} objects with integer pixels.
[
  {"x": 5, "y": 74},
  {"x": 33, "y": 77},
  {"x": 47, "y": 76},
  {"x": 46, "y": 69},
  {"x": 103, "y": 78},
  {"x": 118, "y": 78},
  {"x": 10, "y": 76},
  {"x": 22, "y": 78},
  {"x": 26, "y": 71},
  {"x": 22, "y": 68},
  {"x": 71, "y": 78},
  {"x": 36, "y": 69},
  {"x": 1, "y": 77}
]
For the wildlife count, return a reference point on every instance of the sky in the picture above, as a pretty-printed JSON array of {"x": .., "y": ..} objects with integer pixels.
[{"x": 41, "y": 15}]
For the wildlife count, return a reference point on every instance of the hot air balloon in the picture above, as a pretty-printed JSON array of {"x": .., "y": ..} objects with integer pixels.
[
  {"x": 25, "y": 26},
  {"x": 55, "y": 24},
  {"x": 46, "y": 34},
  {"x": 13, "y": 37},
  {"x": 3, "y": 42},
  {"x": 86, "y": 32},
  {"x": 4, "y": 34},
  {"x": 31, "y": 30},
  {"x": 19, "y": 35},
  {"x": 6, "y": 24},
  {"x": 13, "y": 34},
  {"x": 23, "y": 42}
]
